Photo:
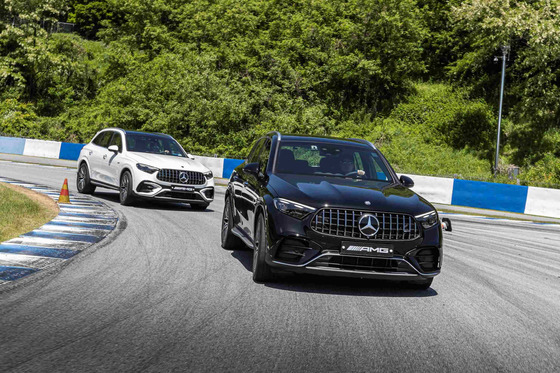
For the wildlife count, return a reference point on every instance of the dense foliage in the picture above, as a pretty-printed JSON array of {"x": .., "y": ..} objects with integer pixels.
[{"x": 217, "y": 73}]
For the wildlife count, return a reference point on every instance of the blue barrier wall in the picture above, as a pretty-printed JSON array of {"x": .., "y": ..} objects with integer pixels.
[
  {"x": 492, "y": 196},
  {"x": 70, "y": 151},
  {"x": 229, "y": 166},
  {"x": 12, "y": 145}
]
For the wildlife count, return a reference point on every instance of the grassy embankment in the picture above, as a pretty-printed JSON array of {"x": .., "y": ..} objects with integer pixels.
[
  {"x": 438, "y": 130},
  {"x": 22, "y": 210}
]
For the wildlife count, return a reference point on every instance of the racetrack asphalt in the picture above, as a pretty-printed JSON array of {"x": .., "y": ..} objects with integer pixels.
[{"x": 164, "y": 296}]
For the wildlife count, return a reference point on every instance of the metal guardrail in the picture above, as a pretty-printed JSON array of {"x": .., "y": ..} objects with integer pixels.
[{"x": 50, "y": 27}]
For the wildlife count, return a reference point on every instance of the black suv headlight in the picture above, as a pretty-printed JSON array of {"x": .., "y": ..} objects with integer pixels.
[
  {"x": 294, "y": 209},
  {"x": 428, "y": 219},
  {"x": 146, "y": 168},
  {"x": 208, "y": 175}
]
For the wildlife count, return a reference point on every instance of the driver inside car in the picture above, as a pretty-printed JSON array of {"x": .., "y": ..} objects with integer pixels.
[{"x": 346, "y": 164}]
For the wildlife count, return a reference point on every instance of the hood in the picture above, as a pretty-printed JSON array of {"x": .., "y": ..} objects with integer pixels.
[
  {"x": 168, "y": 161},
  {"x": 318, "y": 191}
]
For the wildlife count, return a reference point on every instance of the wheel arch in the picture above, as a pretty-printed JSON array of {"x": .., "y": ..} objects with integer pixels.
[
  {"x": 260, "y": 210},
  {"x": 124, "y": 169},
  {"x": 82, "y": 161}
]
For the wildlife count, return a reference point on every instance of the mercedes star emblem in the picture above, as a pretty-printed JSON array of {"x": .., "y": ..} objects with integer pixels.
[
  {"x": 368, "y": 225},
  {"x": 183, "y": 177}
]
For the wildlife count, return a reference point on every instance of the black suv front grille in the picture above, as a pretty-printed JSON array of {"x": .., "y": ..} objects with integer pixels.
[
  {"x": 174, "y": 176},
  {"x": 345, "y": 223}
]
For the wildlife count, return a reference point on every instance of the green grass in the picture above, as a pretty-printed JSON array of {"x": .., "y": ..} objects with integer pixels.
[{"x": 20, "y": 213}]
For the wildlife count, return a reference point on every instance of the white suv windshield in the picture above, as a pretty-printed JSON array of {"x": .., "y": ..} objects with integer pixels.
[
  {"x": 335, "y": 160},
  {"x": 155, "y": 144}
]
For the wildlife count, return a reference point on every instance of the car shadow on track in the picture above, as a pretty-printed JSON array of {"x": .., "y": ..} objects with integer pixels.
[
  {"x": 335, "y": 285},
  {"x": 111, "y": 196}
]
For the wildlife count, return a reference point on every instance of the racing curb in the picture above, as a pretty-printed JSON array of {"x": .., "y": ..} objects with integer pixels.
[{"x": 78, "y": 226}]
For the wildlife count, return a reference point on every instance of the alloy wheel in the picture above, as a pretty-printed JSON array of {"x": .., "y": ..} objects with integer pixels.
[
  {"x": 81, "y": 178},
  {"x": 124, "y": 187},
  {"x": 225, "y": 221}
]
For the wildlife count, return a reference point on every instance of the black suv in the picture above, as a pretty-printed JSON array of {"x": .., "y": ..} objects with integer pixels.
[{"x": 332, "y": 207}]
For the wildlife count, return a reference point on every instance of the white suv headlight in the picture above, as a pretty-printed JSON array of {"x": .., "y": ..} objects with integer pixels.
[
  {"x": 146, "y": 168},
  {"x": 208, "y": 175}
]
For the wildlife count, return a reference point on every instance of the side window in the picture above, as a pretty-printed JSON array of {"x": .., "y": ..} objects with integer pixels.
[
  {"x": 117, "y": 140},
  {"x": 96, "y": 139},
  {"x": 103, "y": 139},
  {"x": 264, "y": 155},
  {"x": 253, "y": 156}
]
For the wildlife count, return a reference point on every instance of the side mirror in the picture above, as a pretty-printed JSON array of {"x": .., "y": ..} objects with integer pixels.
[
  {"x": 252, "y": 168},
  {"x": 114, "y": 148},
  {"x": 406, "y": 181}
]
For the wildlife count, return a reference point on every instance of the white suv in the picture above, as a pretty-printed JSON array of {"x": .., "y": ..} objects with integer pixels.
[{"x": 145, "y": 165}]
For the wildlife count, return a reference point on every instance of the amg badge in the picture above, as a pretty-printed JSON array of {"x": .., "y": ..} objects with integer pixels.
[{"x": 368, "y": 249}]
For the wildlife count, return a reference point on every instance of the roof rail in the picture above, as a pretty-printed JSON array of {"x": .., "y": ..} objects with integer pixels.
[
  {"x": 363, "y": 142},
  {"x": 275, "y": 133}
]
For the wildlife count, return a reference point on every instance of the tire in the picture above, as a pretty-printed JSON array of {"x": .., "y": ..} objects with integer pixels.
[
  {"x": 261, "y": 270},
  {"x": 229, "y": 240},
  {"x": 83, "y": 181},
  {"x": 125, "y": 190},
  {"x": 199, "y": 206},
  {"x": 421, "y": 285}
]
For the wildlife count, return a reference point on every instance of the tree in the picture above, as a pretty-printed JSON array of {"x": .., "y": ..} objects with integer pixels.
[{"x": 532, "y": 29}]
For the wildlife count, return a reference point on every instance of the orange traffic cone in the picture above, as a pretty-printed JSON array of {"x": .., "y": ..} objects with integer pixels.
[{"x": 64, "y": 195}]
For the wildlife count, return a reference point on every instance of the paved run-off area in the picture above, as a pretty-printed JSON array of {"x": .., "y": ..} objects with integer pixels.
[{"x": 164, "y": 296}]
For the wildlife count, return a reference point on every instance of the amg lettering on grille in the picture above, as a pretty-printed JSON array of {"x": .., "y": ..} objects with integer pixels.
[{"x": 380, "y": 250}]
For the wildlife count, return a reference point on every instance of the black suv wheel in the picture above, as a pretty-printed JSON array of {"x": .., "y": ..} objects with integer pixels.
[
  {"x": 229, "y": 240},
  {"x": 261, "y": 270}
]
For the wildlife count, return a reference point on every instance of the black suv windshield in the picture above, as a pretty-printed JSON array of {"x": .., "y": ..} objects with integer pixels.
[
  {"x": 331, "y": 159},
  {"x": 155, "y": 144}
]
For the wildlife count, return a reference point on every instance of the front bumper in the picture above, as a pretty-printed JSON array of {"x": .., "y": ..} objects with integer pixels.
[
  {"x": 295, "y": 247},
  {"x": 170, "y": 192},
  {"x": 322, "y": 265}
]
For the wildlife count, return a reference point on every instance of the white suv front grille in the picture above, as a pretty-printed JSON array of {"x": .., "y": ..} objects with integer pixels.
[{"x": 178, "y": 177}]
